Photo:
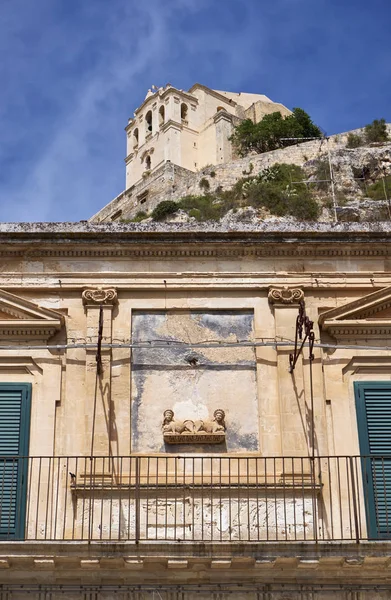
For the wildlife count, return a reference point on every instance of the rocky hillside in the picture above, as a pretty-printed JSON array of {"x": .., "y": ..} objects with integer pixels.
[
  {"x": 284, "y": 187},
  {"x": 293, "y": 183}
]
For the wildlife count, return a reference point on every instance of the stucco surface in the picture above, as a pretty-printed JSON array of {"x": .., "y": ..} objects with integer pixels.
[
  {"x": 190, "y": 283},
  {"x": 193, "y": 382}
]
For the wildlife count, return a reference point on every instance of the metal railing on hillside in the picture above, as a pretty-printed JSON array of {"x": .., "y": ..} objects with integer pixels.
[{"x": 195, "y": 499}]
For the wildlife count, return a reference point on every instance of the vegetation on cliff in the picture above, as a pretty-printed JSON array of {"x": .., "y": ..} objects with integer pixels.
[
  {"x": 356, "y": 187},
  {"x": 375, "y": 132},
  {"x": 279, "y": 190},
  {"x": 270, "y": 132}
]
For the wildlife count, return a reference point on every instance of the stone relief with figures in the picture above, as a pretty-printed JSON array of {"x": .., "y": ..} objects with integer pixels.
[{"x": 188, "y": 431}]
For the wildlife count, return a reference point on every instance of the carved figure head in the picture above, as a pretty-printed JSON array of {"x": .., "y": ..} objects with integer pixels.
[
  {"x": 219, "y": 415},
  {"x": 168, "y": 416}
]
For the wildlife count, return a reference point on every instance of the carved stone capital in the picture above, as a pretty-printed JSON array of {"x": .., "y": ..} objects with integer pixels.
[
  {"x": 285, "y": 295},
  {"x": 106, "y": 296}
]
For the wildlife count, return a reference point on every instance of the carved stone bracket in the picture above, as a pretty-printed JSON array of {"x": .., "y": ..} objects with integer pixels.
[
  {"x": 106, "y": 296},
  {"x": 285, "y": 295}
]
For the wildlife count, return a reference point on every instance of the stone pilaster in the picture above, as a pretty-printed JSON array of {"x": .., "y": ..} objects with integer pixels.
[
  {"x": 293, "y": 408},
  {"x": 98, "y": 387}
]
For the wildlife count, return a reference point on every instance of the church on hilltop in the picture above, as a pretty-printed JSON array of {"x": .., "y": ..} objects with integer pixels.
[
  {"x": 189, "y": 129},
  {"x": 175, "y": 134}
]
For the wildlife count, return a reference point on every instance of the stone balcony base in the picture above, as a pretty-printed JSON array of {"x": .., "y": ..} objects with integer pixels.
[{"x": 166, "y": 563}]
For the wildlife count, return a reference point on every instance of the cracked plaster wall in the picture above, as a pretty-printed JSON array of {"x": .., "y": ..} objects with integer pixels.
[{"x": 193, "y": 382}]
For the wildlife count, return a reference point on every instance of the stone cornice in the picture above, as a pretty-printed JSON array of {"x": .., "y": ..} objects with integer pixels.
[
  {"x": 17, "y": 331},
  {"x": 357, "y": 318},
  {"x": 117, "y": 240},
  {"x": 102, "y": 249},
  {"x": 223, "y": 115},
  {"x": 171, "y": 124},
  {"x": 160, "y": 95},
  {"x": 326, "y": 563},
  {"x": 211, "y": 92},
  {"x": 28, "y": 320},
  {"x": 356, "y": 329},
  {"x": 262, "y": 232},
  {"x": 362, "y": 308}
]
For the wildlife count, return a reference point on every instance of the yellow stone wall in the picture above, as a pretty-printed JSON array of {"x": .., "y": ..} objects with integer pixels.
[
  {"x": 184, "y": 279},
  {"x": 73, "y": 270}
]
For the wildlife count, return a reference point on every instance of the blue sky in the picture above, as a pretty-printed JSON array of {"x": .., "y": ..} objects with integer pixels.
[{"x": 73, "y": 71}]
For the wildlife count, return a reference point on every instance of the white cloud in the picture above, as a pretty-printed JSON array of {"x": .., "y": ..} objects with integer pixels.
[{"x": 71, "y": 169}]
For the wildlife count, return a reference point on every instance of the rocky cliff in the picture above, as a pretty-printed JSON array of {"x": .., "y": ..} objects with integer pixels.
[{"x": 356, "y": 188}]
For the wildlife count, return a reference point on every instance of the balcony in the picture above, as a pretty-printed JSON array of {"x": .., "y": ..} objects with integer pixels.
[{"x": 195, "y": 499}]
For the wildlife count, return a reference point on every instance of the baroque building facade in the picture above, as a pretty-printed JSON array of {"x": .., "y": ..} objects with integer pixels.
[{"x": 162, "y": 435}]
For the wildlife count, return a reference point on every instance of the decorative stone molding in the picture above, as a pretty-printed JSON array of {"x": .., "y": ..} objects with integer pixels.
[
  {"x": 161, "y": 252},
  {"x": 367, "y": 306},
  {"x": 106, "y": 296},
  {"x": 360, "y": 318},
  {"x": 350, "y": 330},
  {"x": 21, "y": 319},
  {"x": 285, "y": 295},
  {"x": 367, "y": 364},
  {"x": 194, "y": 432}
]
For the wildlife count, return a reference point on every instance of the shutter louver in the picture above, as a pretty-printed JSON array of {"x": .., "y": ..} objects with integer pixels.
[
  {"x": 378, "y": 413},
  {"x": 14, "y": 412}
]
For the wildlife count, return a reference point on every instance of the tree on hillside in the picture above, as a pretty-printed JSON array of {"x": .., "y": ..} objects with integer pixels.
[
  {"x": 376, "y": 131},
  {"x": 268, "y": 133}
]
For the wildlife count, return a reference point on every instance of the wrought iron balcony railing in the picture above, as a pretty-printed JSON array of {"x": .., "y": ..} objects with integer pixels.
[{"x": 195, "y": 499}]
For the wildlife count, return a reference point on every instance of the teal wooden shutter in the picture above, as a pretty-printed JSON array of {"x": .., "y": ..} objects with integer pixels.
[
  {"x": 373, "y": 401},
  {"x": 15, "y": 400}
]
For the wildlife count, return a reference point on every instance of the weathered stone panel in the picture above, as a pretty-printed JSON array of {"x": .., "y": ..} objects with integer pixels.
[{"x": 192, "y": 381}]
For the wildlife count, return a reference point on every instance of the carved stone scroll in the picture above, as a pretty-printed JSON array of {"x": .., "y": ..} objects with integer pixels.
[
  {"x": 194, "y": 432},
  {"x": 107, "y": 296},
  {"x": 285, "y": 295}
]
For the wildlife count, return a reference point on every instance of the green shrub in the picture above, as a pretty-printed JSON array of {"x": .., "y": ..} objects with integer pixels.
[
  {"x": 206, "y": 206},
  {"x": 376, "y": 131},
  {"x": 322, "y": 175},
  {"x": 196, "y": 213},
  {"x": 354, "y": 141},
  {"x": 303, "y": 207},
  {"x": 212, "y": 174},
  {"x": 204, "y": 184},
  {"x": 376, "y": 190},
  {"x": 140, "y": 216},
  {"x": 268, "y": 133},
  {"x": 328, "y": 203},
  {"x": 163, "y": 209},
  {"x": 280, "y": 189},
  {"x": 341, "y": 199}
]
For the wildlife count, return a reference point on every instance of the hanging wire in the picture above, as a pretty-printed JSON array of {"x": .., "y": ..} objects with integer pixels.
[{"x": 265, "y": 342}]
